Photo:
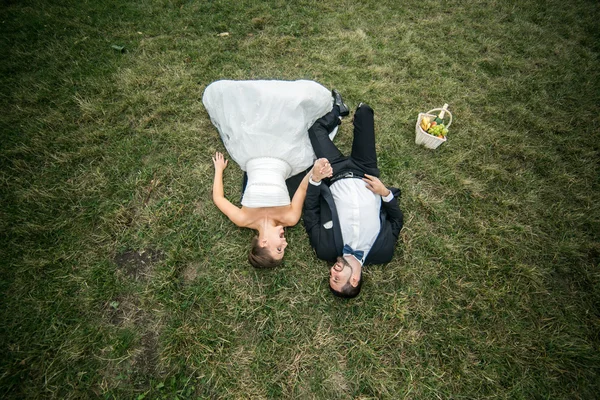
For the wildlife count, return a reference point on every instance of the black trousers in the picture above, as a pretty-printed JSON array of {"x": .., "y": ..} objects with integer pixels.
[{"x": 363, "y": 157}]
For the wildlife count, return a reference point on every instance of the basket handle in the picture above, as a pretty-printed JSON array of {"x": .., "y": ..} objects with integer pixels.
[{"x": 445, "y": 110}]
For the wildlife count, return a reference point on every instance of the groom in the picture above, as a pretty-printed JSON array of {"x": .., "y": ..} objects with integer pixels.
[{"x": 352, "y": 219}]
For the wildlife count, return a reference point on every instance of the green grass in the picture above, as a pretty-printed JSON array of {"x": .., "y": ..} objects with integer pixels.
[{"x": 120, "y": 279}]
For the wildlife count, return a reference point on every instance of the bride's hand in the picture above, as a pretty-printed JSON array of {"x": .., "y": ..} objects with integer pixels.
[
  {"x": 219, "y": 162},
  {"x": 321, "y": 169}
]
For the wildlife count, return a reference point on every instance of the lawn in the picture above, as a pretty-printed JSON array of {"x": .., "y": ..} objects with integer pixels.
[{"x": 121, "y": 280}]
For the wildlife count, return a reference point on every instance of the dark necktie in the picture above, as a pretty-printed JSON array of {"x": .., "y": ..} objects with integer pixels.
[{"x": 356, "y": 253}]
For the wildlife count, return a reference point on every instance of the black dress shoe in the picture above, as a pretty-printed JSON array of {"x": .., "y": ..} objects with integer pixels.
[{"x": 338, "y": 101}]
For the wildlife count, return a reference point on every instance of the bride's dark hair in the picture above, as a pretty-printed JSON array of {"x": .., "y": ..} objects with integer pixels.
[{"x": 259, "y": 257}]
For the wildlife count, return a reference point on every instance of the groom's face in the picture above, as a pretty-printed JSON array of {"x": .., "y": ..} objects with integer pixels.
[
  {"x": 339, "y": 274},
  {"x": 345, "y": 270}
]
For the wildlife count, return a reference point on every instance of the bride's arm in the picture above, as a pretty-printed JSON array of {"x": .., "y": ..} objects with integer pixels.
[
  {"x": 320, "y": 170},
  {"x": 235, "y": 214}
]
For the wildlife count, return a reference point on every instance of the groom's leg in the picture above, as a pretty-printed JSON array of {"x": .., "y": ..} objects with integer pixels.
[
  {"x": 319, "y": 138},
  {"x": 363, "y": 144}
]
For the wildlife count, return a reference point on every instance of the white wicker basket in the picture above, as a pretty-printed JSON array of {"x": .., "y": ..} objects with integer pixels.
[{"x": 424, "y": 138}]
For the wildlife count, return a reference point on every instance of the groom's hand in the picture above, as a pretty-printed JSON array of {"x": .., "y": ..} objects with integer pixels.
[
  {"x": 321, "y": 169},
  {"x": 375, "y": 185}
]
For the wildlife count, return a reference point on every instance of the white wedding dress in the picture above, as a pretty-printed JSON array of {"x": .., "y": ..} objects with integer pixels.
[{"x": 264, "y": 126}]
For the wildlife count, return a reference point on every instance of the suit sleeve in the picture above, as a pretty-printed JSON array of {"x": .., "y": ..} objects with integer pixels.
[
  {"x": 393, "y": 213},
  {"x": 312, "y": 209}
]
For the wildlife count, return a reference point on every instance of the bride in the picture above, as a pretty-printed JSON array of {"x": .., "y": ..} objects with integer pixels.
[{"x": 264, "y": 127}]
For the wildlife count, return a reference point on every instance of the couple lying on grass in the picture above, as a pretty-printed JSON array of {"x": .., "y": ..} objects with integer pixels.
[{"x": 274, "y": 130}]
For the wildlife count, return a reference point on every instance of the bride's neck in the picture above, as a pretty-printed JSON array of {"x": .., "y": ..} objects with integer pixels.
[{"x": 262, "y": 220}]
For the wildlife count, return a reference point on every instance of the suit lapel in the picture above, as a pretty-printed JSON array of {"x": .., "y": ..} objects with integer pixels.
[
  {"x": 337, "y": 232},
  {"x": 380, "y": 241}
]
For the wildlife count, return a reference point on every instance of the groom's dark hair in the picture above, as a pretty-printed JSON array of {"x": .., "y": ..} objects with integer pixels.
[{"x": 259, "y": 257}]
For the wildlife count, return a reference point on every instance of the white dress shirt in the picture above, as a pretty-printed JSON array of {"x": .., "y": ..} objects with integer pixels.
[{"x": 358, "y": 211}]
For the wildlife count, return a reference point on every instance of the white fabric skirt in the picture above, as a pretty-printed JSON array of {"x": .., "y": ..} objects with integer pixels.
[{"x": 267, "y": 118}]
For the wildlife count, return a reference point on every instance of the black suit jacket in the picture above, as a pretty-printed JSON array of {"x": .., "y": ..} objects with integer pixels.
[{"x": 323, "y": 226}]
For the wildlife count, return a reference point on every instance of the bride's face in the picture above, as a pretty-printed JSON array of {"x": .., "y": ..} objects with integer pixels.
[{"x": 275, "y": 241}]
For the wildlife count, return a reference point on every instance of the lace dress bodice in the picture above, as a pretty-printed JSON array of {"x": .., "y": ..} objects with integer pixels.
[{"x": 266, "y": 183}]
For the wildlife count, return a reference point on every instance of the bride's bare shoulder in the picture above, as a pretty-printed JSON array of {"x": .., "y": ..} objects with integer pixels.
[
  {"x": 251, "y": 217},
  {"x": 285, "y": 216},
  {"x": 254, "y": 216}
]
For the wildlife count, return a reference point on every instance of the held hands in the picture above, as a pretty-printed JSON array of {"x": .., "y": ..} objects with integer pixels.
[
  {"x": 375, "y": 185},
  {"x": 219, "y": 162},
  {"x": 321, "y": 169}
]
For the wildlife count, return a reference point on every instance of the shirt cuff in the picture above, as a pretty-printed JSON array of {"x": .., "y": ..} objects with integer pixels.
[
  {"x": 388, "y": 198},
  {"x": 313, "y": 182}
]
